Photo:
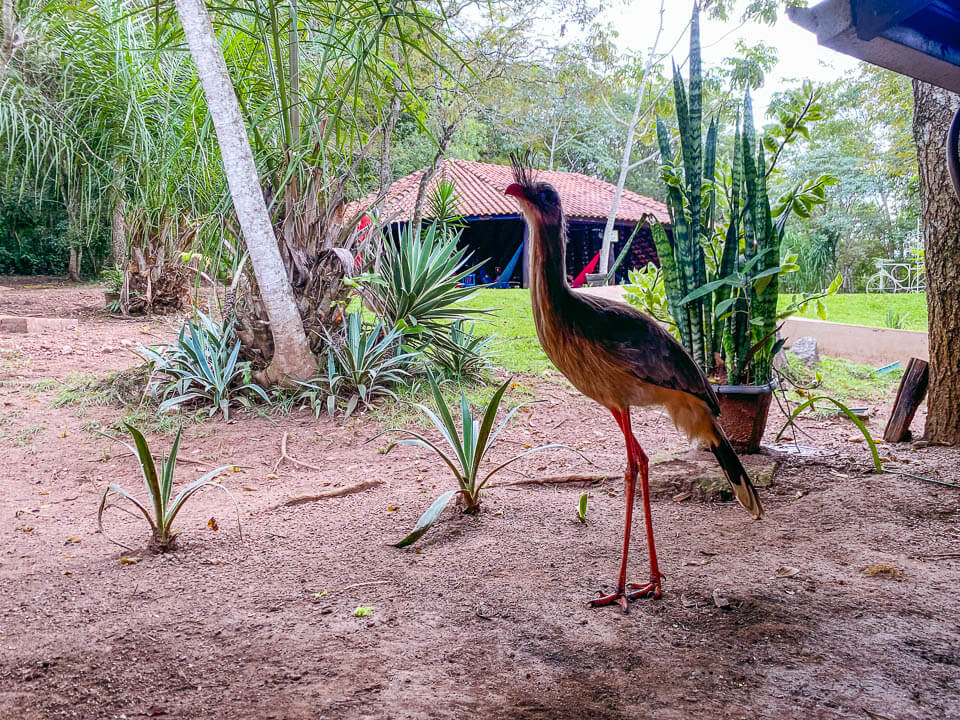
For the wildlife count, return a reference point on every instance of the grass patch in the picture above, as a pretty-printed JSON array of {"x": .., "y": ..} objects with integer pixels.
[
  {"x": 848, "y": 382},
  {"x": 510, "y": 318},
  {"x": 872, "y": 309},
  {"x": 79, "y": 389},
  {"x": 25, "y": 435}
]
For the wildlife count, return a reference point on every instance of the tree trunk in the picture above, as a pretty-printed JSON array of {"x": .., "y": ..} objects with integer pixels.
[
  {"x": 118, "y": 229},
  {"x": 609, "y": 234},
  {"x": 292, "y": 358},
  {"x": 934, "y": 108},
  {"x": 73, "y": 265},
  {"x": 8, "y": 28}
]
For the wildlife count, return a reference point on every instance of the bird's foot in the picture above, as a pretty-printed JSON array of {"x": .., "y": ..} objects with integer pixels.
[{"x": 631, "y": 592}]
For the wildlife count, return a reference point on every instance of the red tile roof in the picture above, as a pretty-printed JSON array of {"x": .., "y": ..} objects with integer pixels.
[{"x": 480, "y": 189}]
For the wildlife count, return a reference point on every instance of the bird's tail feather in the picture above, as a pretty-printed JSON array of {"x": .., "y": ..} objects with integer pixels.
[{"x": 739, "y": 480}]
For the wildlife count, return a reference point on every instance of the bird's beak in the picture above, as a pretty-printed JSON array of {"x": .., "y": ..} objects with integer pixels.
[{"x": 516, "y": 190}]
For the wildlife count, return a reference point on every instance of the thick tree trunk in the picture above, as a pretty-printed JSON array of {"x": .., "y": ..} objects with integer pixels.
[
  {"x": 292, "y": 358},
  {"x": 934, "y": 109}
]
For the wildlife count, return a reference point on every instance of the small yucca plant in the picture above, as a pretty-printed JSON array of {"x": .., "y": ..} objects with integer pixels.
[
  {"x": 202, "y": 366},
  {"x": 367, "y": 365},
  {"x": 468, "y": 445},
  {"x": 161, "y": 511}
]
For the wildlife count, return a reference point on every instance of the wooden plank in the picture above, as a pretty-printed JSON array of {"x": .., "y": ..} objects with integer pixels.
[{"x": 913, "y": 387}]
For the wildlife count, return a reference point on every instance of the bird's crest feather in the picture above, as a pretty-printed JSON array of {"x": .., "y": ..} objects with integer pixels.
[{"x": 523, "y": 173}]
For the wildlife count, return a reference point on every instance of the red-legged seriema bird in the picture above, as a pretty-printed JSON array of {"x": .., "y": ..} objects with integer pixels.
[{"x": 621, "y": 358}]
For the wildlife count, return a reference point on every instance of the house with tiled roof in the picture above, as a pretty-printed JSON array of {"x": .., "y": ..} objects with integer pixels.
[{"x": 495, "y": 229}]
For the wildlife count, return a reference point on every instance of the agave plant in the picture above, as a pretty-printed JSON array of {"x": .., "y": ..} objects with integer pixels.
[
  {"x": 468, "y": 446},
  {"x": 368, "y": 364},
  {"x": 161, "y": 510},
  {"x": 422, "y": 275},
  {"x": 466, "y": 357},
  {"x": 202, "y": 366}
]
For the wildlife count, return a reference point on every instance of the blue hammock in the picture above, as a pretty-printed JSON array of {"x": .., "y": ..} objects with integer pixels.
[{"x": 503, "y": 282}]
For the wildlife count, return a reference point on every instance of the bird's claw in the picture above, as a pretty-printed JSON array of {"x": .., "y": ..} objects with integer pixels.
[{"x": 632, "y": 591}]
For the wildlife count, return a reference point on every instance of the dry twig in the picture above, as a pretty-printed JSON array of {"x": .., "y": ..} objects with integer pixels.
[
  {"x": 556, "y": 480},
  {"x": 328, "y": 494},
  {"x": 285, "y": 456}
]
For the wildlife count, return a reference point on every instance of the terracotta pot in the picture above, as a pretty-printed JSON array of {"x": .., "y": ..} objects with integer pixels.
[
  {"x": 109, "y": 297},
  {"x": 743, "y": 413}
]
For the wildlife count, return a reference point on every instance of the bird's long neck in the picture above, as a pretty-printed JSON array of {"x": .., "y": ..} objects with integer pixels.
[{"x": 548, "y": 266}]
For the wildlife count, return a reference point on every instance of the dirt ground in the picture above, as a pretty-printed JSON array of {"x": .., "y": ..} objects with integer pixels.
[{"x": 841, "y": 603}]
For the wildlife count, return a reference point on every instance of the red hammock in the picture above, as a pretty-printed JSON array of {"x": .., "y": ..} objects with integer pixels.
[{"x": 580, "y": 279}]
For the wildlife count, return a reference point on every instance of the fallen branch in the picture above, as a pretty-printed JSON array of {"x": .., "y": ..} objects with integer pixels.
[
  {"x": 365, "y": 584},
  {"x": 327, "y": 494},
  {"x": 556, "y": 480},
  {"x": 285, "y": 456}
]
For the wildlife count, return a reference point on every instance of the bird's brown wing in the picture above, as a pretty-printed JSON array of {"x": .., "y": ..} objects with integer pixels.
[{"x": 649, "y": 351}]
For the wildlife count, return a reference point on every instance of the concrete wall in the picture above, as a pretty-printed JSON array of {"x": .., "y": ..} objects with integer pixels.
[{"x": 858, "y": 343}]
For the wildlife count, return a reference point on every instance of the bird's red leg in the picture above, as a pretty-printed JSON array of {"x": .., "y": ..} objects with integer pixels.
[
  {"x": 630, "y": 483},
  {"x": 636, "y": 460},
  {"x": 651, "y": 588}
]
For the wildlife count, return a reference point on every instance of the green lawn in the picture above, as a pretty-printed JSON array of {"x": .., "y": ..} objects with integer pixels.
[
  {"x": 520, "y": 350},
  {"x": 512, "y": 322},
  {"x": 872, "y": 309}
]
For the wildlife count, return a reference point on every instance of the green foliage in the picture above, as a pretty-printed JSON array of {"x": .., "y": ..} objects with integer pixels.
[
  {"x": 420, "y": 284},
  {"x": 466, "y": 357},
  {"x": 810, "y": 403},
  {"x": 728, "y": 307},
  {"x": 468, "y": 445},
  {"x": 160, "y": 511},
  {"x": 582, "y": 508},
  {"x": 895, "y": 320},
  {"x": 646, "y": 292},
  {"x": 202, "y": 367},
  {"x": 32, "y": 237},
  {"x": 865, "y": 139},
  {"x": 112, "y": 279},
  {"x": 368, "y": 364}
]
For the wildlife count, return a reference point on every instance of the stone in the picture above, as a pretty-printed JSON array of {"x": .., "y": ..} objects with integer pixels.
[{"x": 806, "y": 351}]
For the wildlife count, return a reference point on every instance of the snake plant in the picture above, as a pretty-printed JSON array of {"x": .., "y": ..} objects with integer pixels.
[{"x": 725, "y": 305}]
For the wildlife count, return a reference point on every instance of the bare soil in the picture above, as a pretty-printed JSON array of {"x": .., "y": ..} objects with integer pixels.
[{"x": 841, "y": 603}]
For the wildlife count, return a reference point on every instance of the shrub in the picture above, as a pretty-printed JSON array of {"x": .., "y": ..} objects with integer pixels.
[
  {"x": 419, "y": 282},
  {"x": 466, "y": 357},
  {"x": 365, "y": 366}
]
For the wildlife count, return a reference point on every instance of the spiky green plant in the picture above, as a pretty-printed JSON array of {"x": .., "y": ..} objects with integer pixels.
[
  {"x": 202, "y": 367},
  {"x": 161, "y": 510},
  {"x": 466, "y": 357},
  {"x": 366, "y": 365},
  {"x": 421, "y": 284},
  {"x": 469, "y": 445},
  {"x": 728, "y": 307}
]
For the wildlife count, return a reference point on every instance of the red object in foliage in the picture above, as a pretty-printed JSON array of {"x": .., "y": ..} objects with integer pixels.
[
  {"x": 363, "y": 229},
  {"x": 580, "y": 279}
]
